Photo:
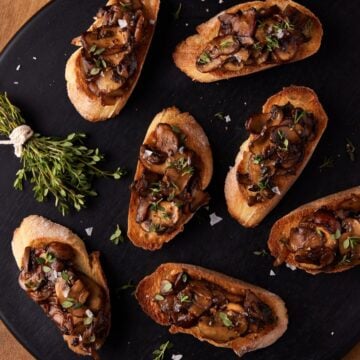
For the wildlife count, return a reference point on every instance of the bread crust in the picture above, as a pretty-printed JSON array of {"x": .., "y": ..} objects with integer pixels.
[
  {"x": 250, "y": 216},
  {"x": 36, "y": 231},
  {"x": 87, "y": 103},
  {"x": 150, "y": 285},
  {"x": 187, "y": 51},
  {"x": 281, "y": 229},
  {"x": 197, "y": 141}
]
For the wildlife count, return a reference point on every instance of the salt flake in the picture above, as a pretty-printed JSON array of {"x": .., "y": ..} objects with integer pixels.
[
  {"x": 89, "y": 231},
  {"x": 214, "y": 219},
  {"x": 272, "y": 273},
  {"x": 227, "y": 118},
  {"x": 34, "y": 58},
  {"x": 18, "y": 67},
  {"x": 176, "y": 357},
  {"x": 122, "y": 23}
]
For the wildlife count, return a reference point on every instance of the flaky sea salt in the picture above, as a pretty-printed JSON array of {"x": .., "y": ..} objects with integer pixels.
[
  {"x": 272, "y": 273},
  {"x": 214, "y": 219},
  {"x": 89, "y": 231}
]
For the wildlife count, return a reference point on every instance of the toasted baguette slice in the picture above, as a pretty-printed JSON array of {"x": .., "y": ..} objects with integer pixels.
[
  {"x": 38, "y": 232},
  {"x": 195, "y": 140},
  {"x": 186, "y": 52},
  {"x": 86, "y": 102},
  {"x": 150, "y": 286},
  {"x": 347, "y": 200},
  {"x": 250, "y": 216}
]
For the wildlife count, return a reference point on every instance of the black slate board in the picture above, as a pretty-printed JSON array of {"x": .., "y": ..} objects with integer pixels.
[{"x": 317, "y": 305}]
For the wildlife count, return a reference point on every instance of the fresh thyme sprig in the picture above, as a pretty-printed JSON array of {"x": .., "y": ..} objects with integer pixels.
[
  {"x": 63, "y": 168},
  {"x": 159, "y": 354}
]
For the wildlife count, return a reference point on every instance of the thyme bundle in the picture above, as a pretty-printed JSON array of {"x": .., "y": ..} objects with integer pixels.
[{"x": 63, "y": 168}]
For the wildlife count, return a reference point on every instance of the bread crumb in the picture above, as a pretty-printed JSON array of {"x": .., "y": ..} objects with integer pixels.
[
  {"x": 89, "y": 231},
  {"x": 292, "y": 267},
  {"x": 272, "y": 273},
  {"x": 176, "y": 357},
  {"x": 214, "y": 219}
]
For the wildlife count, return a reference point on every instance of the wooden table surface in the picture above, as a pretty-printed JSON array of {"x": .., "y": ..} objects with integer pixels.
[{"x": 13, "y": 14}]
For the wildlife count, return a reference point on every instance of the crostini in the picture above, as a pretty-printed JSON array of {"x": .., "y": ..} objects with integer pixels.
[
  {"x": 103, "y": 72},
  {"x": 67, "y": 282},
  {"x": 248, "y": 38},
  {"x": 212, "y": 307},
  {"x": 281, "y": 142},
  {"x": 321, "y": 236},
  {"x": 175, "y": 166}
]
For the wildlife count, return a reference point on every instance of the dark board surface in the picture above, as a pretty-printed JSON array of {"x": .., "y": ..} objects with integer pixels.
[{"x": 318, "y": 306}]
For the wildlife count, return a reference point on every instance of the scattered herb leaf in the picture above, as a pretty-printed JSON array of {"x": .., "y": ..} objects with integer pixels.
[
  {"x": 159, "y": 354},
  {"x": 225, "y": 319},
  {"x": 177, "y": 12},
  {"x": 204, "y": 58},
  {"x": 117, "y": 236},
  {"x": 261, "y": 252},
  {"x": 220, "y": 116},
  {"x": 327, "y": 163}
]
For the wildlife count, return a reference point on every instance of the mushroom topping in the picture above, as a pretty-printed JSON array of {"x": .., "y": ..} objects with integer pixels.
[
  {"x": 109, "y": 48},
  {"x": 326, "y": 239},
  {"x": 219, "y": 315},
  {"x": 169, "y": 190},
  {"x": 248, "y": 37},
  {"x": 166, "y": 140},
  {"x": 277, "y": 143},
  {"x": 73, "y": 301}
]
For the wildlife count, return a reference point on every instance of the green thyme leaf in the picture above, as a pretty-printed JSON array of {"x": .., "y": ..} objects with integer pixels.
[
  {"x": 327, "y": 163},
  {"x": 177, "y": 12},
  {"x": 226, "y": 43},
  {"x": 117, "y": 236},
  {"x": 184, "y": 298},
  {"x": 225, "y": 319},
  {"x": 299, "y": 114},
  {"x": 261, "y": 252},
  {"x": 272, "y": 43},
  {"x": 159, "y": 354},
  {"x": 204, "y": 58},
  {"x": 46, "y": 269},
  {"x": 257, "y": 159},
  {"x": 220, "y": 115}
]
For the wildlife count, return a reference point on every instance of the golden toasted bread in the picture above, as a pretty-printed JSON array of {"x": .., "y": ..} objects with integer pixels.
[
  {"x": 215, "y": 308},
  {"x": 175, "y": 166},
  {"x": 95, "y": 106},
  {"x": 66, "y": 281},
  {"x": 188, "y": 53},
  {"x": 236, "y": 194},
  {"x": 321, "y": 236}
]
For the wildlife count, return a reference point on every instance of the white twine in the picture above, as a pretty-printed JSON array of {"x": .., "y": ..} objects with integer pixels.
[{"x": 18, "y": 137}]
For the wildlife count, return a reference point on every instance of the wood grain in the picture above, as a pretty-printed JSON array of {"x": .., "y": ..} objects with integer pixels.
[{"x": 13, "y": 15}]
